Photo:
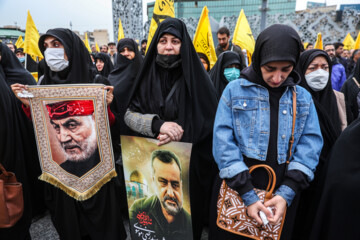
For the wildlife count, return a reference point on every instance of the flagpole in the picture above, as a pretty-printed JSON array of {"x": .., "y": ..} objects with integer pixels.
[{"x": 25, "y": 60}]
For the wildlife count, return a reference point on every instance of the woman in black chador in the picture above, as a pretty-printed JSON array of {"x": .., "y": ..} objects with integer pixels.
[
  {"x": 315, "y": 69},
  {"x": 123, "y": 77},
  {"x": 103, "y": 64},
  {"x": 98, "y": 217},
  {"x": 175, "y": 94},
  {"x": 17, "y": 144},
  {"x": 337, "y": 216},
  {"x": 226, "y": 69}
]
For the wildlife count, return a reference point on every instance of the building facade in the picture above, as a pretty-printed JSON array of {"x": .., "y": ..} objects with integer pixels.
[
  {"x": 130, "y": 13},
  {"x": 101, "y": 36},
  {"x": 221, "y": 8}
]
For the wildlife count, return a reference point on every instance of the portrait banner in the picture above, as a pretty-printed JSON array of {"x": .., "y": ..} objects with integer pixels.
[
  {"x": 73, "y": 137},
  {"x": 157, "y": 187}
]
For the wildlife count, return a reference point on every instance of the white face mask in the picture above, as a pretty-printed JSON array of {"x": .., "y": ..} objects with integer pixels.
[
  {"x": 54, "y": 58},
  {"x": 317, "y": 80}
]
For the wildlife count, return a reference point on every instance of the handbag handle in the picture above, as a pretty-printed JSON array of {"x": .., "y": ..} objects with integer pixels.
[
  {"x": 272, "y": 179},
  {"x": 3, "y": 170}
]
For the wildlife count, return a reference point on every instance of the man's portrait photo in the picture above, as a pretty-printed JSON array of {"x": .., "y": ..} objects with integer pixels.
[
  {"x": 75, "y": 146},
  {"x": 72, "y": 130},
  {"x": 159, "y": 213}
]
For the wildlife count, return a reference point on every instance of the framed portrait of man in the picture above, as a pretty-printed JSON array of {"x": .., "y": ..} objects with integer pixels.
[
  {"x": 73, "y": 137},
  {"x": 157, "y": 187}
]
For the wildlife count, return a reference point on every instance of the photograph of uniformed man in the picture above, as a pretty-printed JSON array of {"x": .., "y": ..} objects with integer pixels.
[
  {"x": 162, "y": 215},
  {"x": 74, "y": 146}
]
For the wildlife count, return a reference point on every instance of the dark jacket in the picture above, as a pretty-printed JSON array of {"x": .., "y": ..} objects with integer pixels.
[
  {"x": 233, "y": 48},
  {"x": 146, "y": 217}
]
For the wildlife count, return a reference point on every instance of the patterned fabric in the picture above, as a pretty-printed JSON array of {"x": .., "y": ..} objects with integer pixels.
[
  {"x": 75, "y": 150},
  {"x": 140, "y": 123},
  {"x": 232, "y": 216}
]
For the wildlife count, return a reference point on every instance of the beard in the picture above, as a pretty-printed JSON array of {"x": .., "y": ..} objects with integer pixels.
[
  {"x": 170, "y": 208},
  {"x": 223, "y": 45},
  {"x": 87, "y": 146}
]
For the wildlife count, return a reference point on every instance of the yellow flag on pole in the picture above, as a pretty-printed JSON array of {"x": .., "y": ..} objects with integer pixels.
[
  {"x": 243, "y": 36},
  {"x": 203, "y": 40},
  {"x": 348, "y": 42},
  {"x": 19, "y": 42},
  {"x": 32, "y": 36},
  {"x": 162, "y": 9},
  {"x": 86, "y": 41},
  {"x": 357, "y": 42},
  {"x": 97, "y": 47},
  {"x": 319, "y": 42},
  {"x": 120, "y": 31}
]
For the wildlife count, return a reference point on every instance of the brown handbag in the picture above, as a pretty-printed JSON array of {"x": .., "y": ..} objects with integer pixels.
[
  {"x": 11, "y": 199},
  {"x": 232, "y": 212}
]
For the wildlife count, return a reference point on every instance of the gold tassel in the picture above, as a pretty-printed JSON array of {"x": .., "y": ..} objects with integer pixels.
[{"x": 73, "y": 193}]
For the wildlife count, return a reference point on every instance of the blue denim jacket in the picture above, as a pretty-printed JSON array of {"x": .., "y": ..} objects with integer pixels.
[{"x": 242, "y": 127}]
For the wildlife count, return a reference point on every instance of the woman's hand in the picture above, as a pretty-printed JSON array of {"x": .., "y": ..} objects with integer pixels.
[
  {"x": 172, "y": 130},
  {"x": 163, "y": 139},
  {"x": 109, "y": 94},
  {"x": 254, "y": 209},
  {"x": 279, "y": 205},
  {"x": 19, "y": 88}
]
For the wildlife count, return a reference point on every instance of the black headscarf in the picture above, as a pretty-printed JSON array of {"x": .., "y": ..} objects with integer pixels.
[
  {"x": 276, "y": 43},
  {"x": 324, "y": 100},
  {"x": 225, "y": 59},
  {"x": 206, "y": 59},
  {"x": 193, "y": 104},
  {"x": 80, "y": 69},
  {"x": 108, "y": 66},
  {"x": 13, "y": 69},
  {"x": 122, "y": 78}
]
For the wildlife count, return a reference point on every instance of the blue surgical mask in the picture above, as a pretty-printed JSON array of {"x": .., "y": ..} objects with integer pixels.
[
  {"x": 231, "y": 74},
  {"x": 22, "y": 59}
]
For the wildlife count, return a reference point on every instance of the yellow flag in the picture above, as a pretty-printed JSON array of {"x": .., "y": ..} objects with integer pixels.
[
  {"x": 357, "y": 42},
  {"x": 19, "y": 42},
  {"x": 203, "y": 40},
  {"x": 97, "y": 47},
  {"x": 319, "y": 42},
  {"x": 86, "y": 41},
  {"x": 348, "y": 42},
  {"x": 162, "y": 9},
  {"x": 305, "y": 45},
  {"x": 32, "y": 36},
  {"x": 243, "y": 35},
  {"x": 120, "y": 31}
]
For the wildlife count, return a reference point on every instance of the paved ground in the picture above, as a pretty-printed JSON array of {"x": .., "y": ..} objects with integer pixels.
[{"x": 43, "y": 229}]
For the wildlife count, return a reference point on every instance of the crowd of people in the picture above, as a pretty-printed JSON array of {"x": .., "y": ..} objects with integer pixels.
[{"x": 235, "y": 115}]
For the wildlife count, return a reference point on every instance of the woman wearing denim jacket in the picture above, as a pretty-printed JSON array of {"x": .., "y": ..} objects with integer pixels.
[{"x": 253, "y": 126}]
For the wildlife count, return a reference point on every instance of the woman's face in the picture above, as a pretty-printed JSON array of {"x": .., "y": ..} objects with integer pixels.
[
  {"x": 318, "y": 63},
  {"x": 169, "y": 45},
  {"x": 99, "y": 65},
  {"x": 52, "y": 42},
  {"x": 126, "y": 52},
  {"x": 204, "y": 63},
  {"x": 275, "y": 73}
]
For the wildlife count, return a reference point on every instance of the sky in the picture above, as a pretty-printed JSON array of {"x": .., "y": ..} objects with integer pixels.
[{"x": 85, "y": 15}]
